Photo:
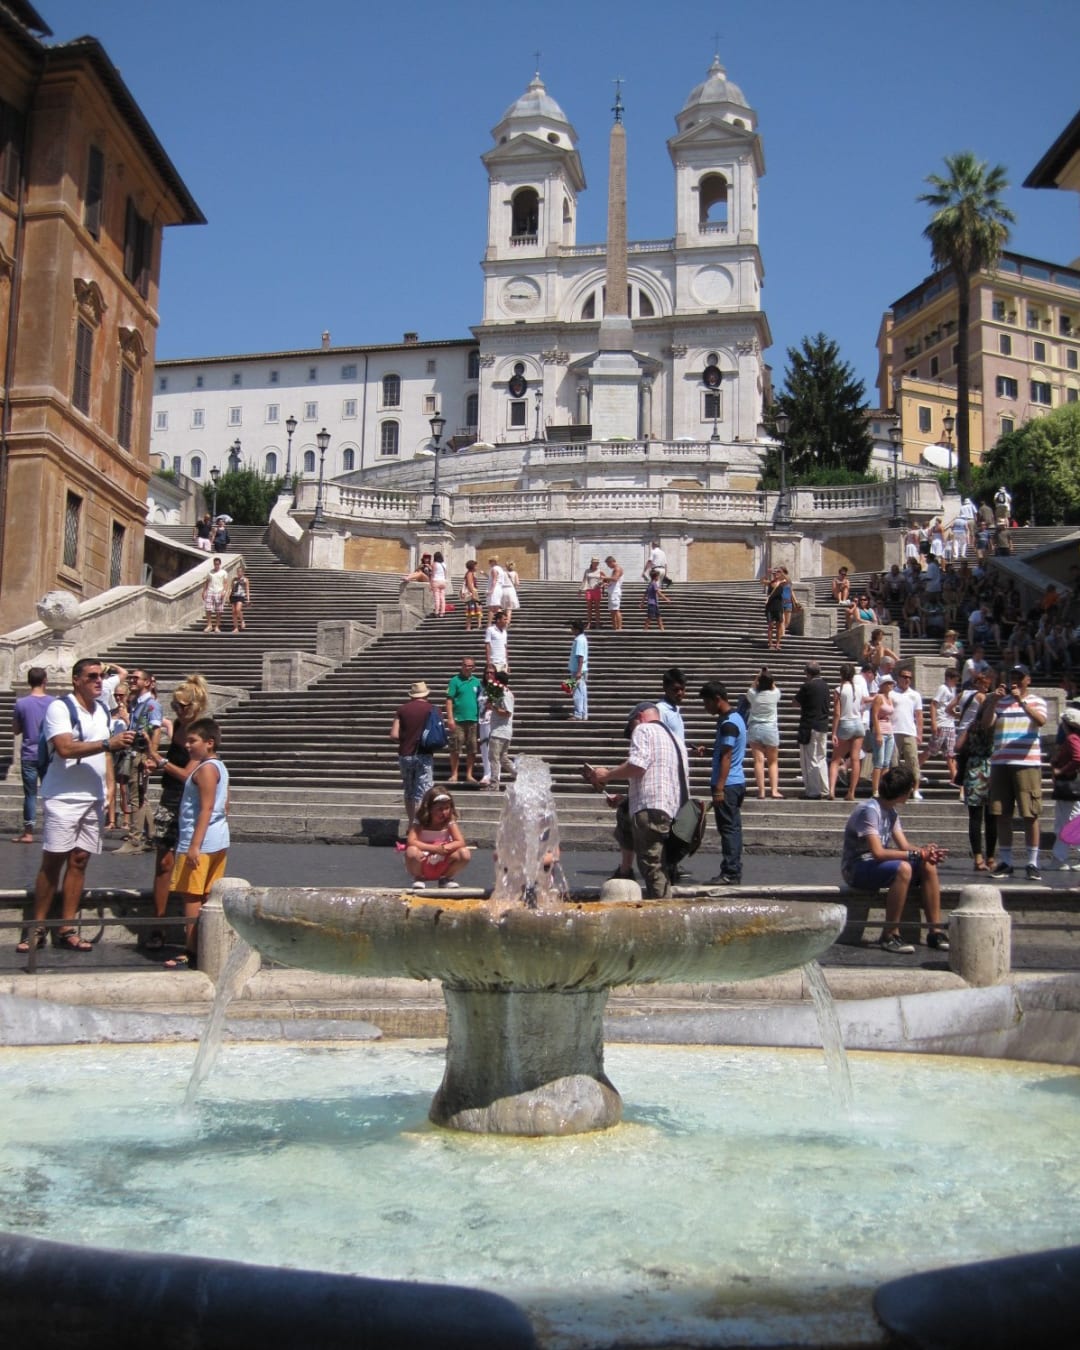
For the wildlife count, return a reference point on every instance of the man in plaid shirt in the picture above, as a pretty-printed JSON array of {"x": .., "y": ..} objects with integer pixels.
[{"x": 643, "y": 818}]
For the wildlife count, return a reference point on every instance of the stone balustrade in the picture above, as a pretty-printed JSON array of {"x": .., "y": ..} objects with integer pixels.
[{"x": 809, "y": 506}]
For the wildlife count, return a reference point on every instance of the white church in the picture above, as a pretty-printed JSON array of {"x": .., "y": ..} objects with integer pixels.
[{"x": 598, "y": 345}]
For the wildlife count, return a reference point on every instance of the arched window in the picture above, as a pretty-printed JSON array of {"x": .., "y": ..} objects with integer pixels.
[
  {"x": 525, "y": 220},
  {"x": 645, "y": 306},
  {"x": 196, "y": 466},
  {"x": 348, "y": 460},
  {"x": 588, "y": 309},
  {"x": 389, "y": 434},
  {"x": 473, "y": 372},
  {"x": 391, "y": 391},
  {"x": 472, "y": 411},
  {"x": 713, "y": 202},
  {"x": 309, "y": 461},
  {"x": 270, "y": 464}
]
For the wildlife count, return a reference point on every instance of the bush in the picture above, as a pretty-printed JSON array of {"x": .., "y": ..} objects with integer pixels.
[{"x": 244, "y": 494}]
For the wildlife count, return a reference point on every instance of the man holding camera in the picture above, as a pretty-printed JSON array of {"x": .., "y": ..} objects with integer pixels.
[
  {"x": 1017, "y": 717},
  {"x": 145, "y": 723},
  {"x": 73, "y": 794}
]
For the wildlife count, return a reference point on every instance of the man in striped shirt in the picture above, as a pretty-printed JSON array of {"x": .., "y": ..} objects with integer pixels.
[{"x": 1016, "y": 767}]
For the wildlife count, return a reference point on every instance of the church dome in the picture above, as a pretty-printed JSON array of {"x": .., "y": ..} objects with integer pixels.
[
  {"x": 535, "y": 102},
  {"x": 716, "y": 88},
  {"x": 537, "y": 114}
]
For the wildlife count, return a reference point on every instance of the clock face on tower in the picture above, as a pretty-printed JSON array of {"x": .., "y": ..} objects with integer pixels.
[{"x": 519, "y": 295}]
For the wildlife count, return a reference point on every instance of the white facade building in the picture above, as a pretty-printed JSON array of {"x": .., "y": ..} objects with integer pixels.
[{"x": 694, "y": 300}]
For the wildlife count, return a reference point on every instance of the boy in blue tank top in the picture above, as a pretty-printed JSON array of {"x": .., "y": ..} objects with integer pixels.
[{"x": 202, "y": 849}]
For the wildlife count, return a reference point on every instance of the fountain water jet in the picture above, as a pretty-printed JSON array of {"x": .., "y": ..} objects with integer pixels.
[{"x": 525, "y": 988}]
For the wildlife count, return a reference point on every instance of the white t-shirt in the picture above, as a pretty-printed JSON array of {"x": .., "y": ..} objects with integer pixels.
[
  {"x": 906, "y": 703},
  {"x": 864, "y": 690},
  {"x": 76, "y": 778},
  {"x": 495, "y": 637},
  {"x": 944, "y": 699}
]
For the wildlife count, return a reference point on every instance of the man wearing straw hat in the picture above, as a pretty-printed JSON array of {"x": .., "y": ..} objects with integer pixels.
[{"x": 417, "y": 768}]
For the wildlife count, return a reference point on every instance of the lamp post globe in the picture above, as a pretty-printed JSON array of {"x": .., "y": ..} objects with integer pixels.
[
  {"x": 948, "y": 422},
  {"x": 896, "y": 437},
  {"x": 322, "y": 440},
  {"x": 782, "y": 518},
  {"x": 438, "y": 426},
  {"x": 290, "y": 428}
]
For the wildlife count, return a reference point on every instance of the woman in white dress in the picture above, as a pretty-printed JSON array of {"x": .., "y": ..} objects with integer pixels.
[
  {"x": 497, "y": 579},
  {"x": 763, "y": 732},
  {"x": 510, "y": 600}
]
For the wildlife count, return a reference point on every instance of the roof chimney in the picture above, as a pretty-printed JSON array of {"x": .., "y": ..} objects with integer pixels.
[
  {"x": 411, "y": 339},
  {"x": 326, "y": 340}
]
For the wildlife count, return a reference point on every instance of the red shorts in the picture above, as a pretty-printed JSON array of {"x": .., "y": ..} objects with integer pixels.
[{"x": 435, "y": 865}]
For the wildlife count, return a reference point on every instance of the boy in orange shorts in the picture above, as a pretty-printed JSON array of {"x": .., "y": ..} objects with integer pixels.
[{"x": 203, "y": 846}]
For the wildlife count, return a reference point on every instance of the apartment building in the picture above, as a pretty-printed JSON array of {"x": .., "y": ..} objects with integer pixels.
[{"x": 1024, "y": 351}]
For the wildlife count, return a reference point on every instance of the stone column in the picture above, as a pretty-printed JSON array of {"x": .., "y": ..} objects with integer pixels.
[{"x": 980, "y": 937}]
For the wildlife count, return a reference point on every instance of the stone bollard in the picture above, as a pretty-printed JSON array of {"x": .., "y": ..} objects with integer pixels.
[
  {"x": 980, "y": 937},
  {"x": 216, "y": 936}
]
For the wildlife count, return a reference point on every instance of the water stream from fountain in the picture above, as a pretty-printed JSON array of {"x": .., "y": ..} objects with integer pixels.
[
  {"x": 233, "y": 978},
  {"x": 832, "y": 1041},
  {"x": 527, "y": 869}
]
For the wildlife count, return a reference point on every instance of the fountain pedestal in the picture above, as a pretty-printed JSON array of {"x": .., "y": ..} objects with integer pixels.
[{"x": 523, "y": 1062}]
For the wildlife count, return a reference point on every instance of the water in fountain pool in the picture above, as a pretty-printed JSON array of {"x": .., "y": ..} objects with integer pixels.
[{"x": 733, "y": 1184}]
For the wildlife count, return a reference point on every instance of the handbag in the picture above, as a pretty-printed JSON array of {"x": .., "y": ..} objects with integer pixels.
[{"x": 687, "y": 830}]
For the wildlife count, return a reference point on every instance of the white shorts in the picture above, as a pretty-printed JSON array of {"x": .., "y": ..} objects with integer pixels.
[{"x": 71, "y": 822}]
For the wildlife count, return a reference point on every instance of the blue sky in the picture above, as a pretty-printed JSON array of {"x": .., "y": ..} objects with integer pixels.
[{"x": 334, "y": 147}]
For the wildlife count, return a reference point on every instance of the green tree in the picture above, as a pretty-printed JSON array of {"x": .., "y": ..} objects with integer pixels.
[
  {"x": 827, "y": 437},
  {"x": 1040, "y": 465},
  {"x": 968, "y": 230},
  {"x": 244, "y": 494}
]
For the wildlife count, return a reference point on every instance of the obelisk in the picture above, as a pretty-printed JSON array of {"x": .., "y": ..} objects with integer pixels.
[{"x": 615, "y": 373}]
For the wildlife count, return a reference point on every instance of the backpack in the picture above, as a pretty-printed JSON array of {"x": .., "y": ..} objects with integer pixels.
[
  {"x": 433, "y": 737},
  {"x": 44, "y": 749}
]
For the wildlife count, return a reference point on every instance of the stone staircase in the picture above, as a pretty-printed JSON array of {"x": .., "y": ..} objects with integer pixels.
[{"x": 320, "y": 764}]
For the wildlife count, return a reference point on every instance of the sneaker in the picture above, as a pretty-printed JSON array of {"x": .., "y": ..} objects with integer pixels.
[
  {"x": 1003, "y": 869},
  {"x": 938, "y": 939},
  {"x": 452, "y": 885},
  {"x": 1033, "y": 873},
  {"x": 894, "y": 945},
  {"x": 917, "y": 796},
  {"x": 419, "y": 886}
]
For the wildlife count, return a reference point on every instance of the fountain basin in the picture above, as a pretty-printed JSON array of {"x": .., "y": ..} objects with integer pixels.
[{"x": 525, "y": 989}]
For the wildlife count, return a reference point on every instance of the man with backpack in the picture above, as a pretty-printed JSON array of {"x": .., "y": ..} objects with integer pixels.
[
  {"x": 74, "y": 743},
  {"x": 418, "y": 737}
]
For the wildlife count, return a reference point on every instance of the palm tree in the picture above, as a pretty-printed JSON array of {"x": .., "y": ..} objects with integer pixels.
[{"x": 968, "y": 230}]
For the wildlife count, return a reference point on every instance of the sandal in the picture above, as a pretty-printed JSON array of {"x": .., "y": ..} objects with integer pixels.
[
  {"x": 69, "y": 940},
  {"x": 37, "y": 936},
  {"x": 186, "y": 961}
]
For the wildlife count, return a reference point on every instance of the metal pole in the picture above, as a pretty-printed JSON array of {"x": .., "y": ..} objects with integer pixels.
[
  {"x": 290, "y": 427},
  {"x": 322, "y": 440},
  {"x": 438, "y": 426}
]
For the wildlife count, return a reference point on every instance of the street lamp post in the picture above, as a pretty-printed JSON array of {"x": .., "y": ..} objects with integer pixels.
[
  {"x": 948, "y": 422},
  {"x": 322, "y": 440},
  {"x": 438, "y": 426},
  {"x": 290, "y": 427},
  {"x": 215, "y": 474},
  {"x": 539, "y": 400},
  {"x": 896, "y": 436},
  {"x": 782, "y": 518}
]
